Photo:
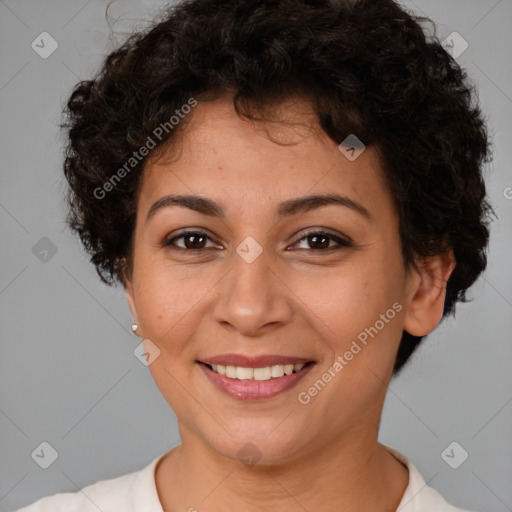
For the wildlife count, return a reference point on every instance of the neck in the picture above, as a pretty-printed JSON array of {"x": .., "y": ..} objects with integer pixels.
[{"x": 348, "y": 474}]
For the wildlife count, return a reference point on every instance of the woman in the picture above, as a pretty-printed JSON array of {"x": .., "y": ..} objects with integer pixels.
[{"x": 290, "y": 193}]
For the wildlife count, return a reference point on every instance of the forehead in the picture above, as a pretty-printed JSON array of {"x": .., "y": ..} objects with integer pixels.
[{"x": 223, "y": 155}]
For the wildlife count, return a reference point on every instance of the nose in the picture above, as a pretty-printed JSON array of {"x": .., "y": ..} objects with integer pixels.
[{"x": 253, "y": 299}]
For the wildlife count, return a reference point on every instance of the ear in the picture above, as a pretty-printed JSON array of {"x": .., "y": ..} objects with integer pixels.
[
  {"x": 128, "y": 288},
  {"x": 427, "y": 294}
]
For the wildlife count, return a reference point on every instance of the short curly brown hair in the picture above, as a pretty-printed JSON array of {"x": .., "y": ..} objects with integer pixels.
[{"x": 368, "y": 68}]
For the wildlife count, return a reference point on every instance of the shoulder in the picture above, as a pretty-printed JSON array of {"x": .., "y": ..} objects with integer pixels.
[
  {"x": 106, "y": 495},
  {"x": 110, "y": 495},
  {"x": 429, "y": 499},
  {"x": 418, "y": 496}
]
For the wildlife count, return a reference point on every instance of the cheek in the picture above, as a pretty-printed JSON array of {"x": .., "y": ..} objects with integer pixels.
[
  {"x": 358, "y": 307},
  {"x": 354, "y": 295},
  {"x": 169, "y": 299}
]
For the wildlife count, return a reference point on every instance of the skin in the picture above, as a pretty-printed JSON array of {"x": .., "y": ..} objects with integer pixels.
[{"x": 302, "y": 302}]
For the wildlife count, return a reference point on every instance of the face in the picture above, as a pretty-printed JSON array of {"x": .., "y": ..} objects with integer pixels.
[{"x": 262, "y": 273}]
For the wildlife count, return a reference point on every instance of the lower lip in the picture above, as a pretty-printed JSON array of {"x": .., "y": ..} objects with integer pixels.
[{"x": 254, "y": 389}]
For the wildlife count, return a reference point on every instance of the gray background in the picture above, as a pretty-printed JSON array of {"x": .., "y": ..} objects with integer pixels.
[{"x": 68, "y": 375}]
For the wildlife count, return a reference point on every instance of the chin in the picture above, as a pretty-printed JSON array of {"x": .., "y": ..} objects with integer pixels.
[{"x": 257, "y": 446}]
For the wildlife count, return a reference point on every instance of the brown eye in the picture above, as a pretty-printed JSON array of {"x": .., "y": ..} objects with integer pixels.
[
  {"x": 192, "y": 241},
  {"x": 320, "y": 241}
]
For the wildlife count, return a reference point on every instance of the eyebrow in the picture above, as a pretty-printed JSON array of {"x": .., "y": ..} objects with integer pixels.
[{"x": 287, "y": 208}]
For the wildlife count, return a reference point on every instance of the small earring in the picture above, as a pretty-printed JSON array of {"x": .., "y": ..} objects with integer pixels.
[{"x": 134, "y": 328}]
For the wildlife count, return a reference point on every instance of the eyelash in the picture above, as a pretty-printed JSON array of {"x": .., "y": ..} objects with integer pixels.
[{"x": 342, "y": 243}]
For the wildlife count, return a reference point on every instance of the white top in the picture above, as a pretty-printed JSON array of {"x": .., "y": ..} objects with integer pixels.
[{"x": 136, "y": 492}]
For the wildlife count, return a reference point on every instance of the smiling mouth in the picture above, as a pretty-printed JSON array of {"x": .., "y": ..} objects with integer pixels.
[{"x": 265, "y": 373}]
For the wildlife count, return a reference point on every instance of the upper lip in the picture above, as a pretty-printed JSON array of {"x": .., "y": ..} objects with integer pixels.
[{"x": 253, "y": 361}]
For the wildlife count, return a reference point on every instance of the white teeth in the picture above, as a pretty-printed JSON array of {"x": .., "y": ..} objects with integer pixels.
[
  {"x": 277, "y": 370},
  {"x": 266, "y": 373},
  {"x": 244, "y": 373},
  {"x": 288, "y": 369},
  {"x": 262, "y": 373},
  {"x": 231, "y": 372}
]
